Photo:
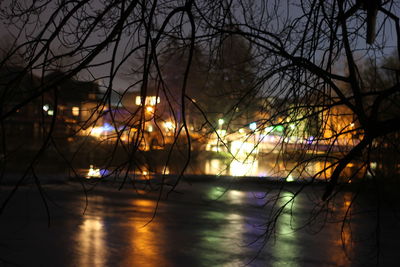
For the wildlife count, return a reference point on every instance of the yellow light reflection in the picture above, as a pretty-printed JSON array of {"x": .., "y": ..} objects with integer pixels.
[
  {"x": 146, "y": 240},
  {"x": 344, "y": 241},
  {"x": 235, "y": 196},
  {"x": 91, "y": 239}
]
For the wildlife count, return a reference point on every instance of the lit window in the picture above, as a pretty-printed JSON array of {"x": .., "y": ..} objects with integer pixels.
[
  {"x": 153, "y": 100},
  {"x": 75, "y": 111},
  {"x": 50, "y": 112},
  {"x": 150, "y": 100},
  {"x": 138, "y": 100}
]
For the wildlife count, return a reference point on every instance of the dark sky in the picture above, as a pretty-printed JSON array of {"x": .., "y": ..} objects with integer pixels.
[{"x": 123, "y": 83}]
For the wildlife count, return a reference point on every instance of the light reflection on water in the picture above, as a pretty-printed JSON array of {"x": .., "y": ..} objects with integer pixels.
[
  {"x": 286, "y": 247},
  {"x": 91, "y": 239},
  {"x": 344, "y": 239},
  {"x": 140, "y": 244},
  {"x": 224, "y": 241},
  {"x": 208, "y": 224},
  {"x": 270, "y": 167},
  {"x": 145, "y": 240}
]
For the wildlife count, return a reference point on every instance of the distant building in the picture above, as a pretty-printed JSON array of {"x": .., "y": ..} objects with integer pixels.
[
  {"x": 33, "y": 105},
  {"x": 340, "y": 125},
  {"x": 19, "y": 105},
  {"x": 78, "y": 104}
]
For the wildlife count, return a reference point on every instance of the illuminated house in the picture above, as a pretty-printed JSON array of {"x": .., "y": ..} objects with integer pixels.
[
  {"x": 72, "y": 104},
  {"x": 339, "y": 123},
  {"x": 151, "y": 114},
  {"x": 78, "y": 105}
]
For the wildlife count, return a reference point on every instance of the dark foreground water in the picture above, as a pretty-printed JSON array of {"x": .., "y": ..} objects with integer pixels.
[{"x": 211, "y": 223}]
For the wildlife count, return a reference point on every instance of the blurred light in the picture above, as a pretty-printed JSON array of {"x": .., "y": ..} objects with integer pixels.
[
  {"x": 241, "y": 130},
  {"x": 269, "y": 129},
  {"x": 93, "y": 173},
  {"x": 221, "y": 121},
  {"x": 97, "y": 131},
  {"x": 279, "y": 128},
  {"x": 373, "y": 165},
  {"x": 310, "y": 139},
  {"x": 221, "y": 133},
  {"x": 243, "y": 168},
  {"x": 241, "y": 149},
  {"x": 237, "y": 197},
  {"x": 352, "y": 124},
  {"x": 150, "y": 128},
  {"x": 150, "y": 109},
  {"x": 149, "y": 100},
  {"x": 75, "y": 111},
  {"x": 50, "y": 112},
  {"x": 101, "y": 130},
  {"x": 166, "y": 170},
  {"x": 107, "y": 127},
  {"x": 46, "y": 107},
  {"x": 289, "y": 178},
  {"x": 168, "y": 125},
  {"x": 104, "y": 172},
  {"x": 138, "y": 100},
  {"x": 292, "y": 126},
  {"x": 253, "y": 126},
  {"x": 154, "y": 100}
]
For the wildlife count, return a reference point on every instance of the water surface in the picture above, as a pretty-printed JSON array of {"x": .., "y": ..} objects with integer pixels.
[{"x": 213, "y": 223}]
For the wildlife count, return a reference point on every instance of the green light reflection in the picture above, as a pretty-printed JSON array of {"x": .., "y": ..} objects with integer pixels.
[
  {"x": 286, "y": 250},
  {"x": 221, "y": 241}
]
